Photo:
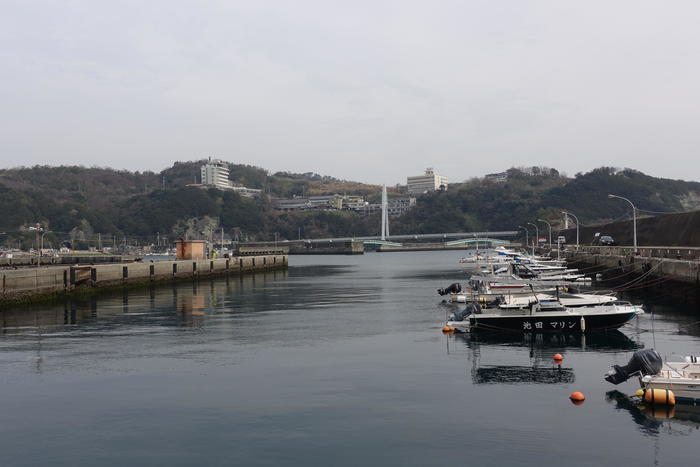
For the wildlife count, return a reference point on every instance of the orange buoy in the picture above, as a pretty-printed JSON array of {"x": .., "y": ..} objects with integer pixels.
[
  {"x": 447, "y": 329},
  {"x": 660, "y": 396},
  {"x": 577, "y": 398},
  {"x": 558, "y": 358}
]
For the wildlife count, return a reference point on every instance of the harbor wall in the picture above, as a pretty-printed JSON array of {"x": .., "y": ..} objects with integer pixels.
[
  {"x": 32, "y": 283},
  {"x": 26, "y": 260},
  {"x": 330, "y": 248},
  {"x": 622, "y": 262}
]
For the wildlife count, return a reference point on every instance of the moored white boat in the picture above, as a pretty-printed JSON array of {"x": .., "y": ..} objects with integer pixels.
[
  {"x": 545, "y": 317},
  {"x": 681, "y": 375}
]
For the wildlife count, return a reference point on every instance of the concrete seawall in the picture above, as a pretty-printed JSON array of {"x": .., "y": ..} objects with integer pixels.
[
  {"x": 661, "y": 263},
  {"x": 21, "y": 261},
  {"x": 33, "y": 283}
]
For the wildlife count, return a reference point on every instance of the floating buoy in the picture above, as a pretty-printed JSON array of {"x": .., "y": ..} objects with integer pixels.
[
  {"x": 557, "y": 358},
  {"x": 660, "y": 396},
  {"x": 447, "y": 329},
  {"x": 577, "y": 398}
]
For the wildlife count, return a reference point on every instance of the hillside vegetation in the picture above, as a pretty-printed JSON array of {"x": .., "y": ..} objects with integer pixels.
[{"x": 77, "y": 203}]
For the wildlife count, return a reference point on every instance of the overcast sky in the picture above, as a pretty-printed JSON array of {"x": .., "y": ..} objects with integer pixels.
[{"x": 365, "y": 90}]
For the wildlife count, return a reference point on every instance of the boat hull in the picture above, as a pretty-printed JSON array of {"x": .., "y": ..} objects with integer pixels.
[
  {"x": 549, "y": 322},
  {"x": 684, "y": 392}
]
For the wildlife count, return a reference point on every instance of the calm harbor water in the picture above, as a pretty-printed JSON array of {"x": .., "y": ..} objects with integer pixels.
[{"x": 338, "y": 361}]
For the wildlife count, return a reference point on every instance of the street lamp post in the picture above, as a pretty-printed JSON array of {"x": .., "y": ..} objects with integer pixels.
[
  {"x": 550, "y": 231},
  {"x": 576, "y": 219},
  {"x": 39, "y": 234},
  {"x": 634, "y": 220},
  {"x": 537, "y": 237},
  {"x": 525, "y": 229}
]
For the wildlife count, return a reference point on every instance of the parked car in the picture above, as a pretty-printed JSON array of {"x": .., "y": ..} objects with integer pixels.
[{"x": 607, "y": 240}]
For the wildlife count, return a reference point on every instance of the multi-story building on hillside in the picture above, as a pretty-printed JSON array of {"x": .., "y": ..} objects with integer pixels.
[
  {"x": 215, "y": 173},
  {"x": 430, "y": 181},
  {"x": 395, "y": 207}
]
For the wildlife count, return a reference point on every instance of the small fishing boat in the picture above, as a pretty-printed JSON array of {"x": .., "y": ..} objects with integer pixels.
[
  {"x": 518, "y": 294},
  {"x": 545, "y": 316},
  {"x": 681, "y": 375}
]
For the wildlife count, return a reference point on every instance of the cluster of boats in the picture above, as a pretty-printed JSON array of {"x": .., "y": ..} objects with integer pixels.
[
  {"x": 516, "y": 292},
  {"x": 512, "y": 291}
]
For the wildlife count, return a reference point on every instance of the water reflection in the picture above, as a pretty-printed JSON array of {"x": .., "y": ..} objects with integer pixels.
[
  {"x": 537, "y": 342},
  {"x": 513, "y": 374},
  {"x": 189, "y": 302},
  {"x": 680, "y": 419}
]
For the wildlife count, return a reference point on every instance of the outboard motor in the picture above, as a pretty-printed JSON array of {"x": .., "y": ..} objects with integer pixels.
[
  {"x": 646, "y": 362},
  {"x": 453, "y": 288},
  {"x": 471, "y": 308}
]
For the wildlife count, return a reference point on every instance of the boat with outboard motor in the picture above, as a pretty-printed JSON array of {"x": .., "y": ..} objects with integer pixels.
[
  {"x": 540, "y": 316},
  {"x": 515, "y": 293},
  {"x": 681, "y": 375}
]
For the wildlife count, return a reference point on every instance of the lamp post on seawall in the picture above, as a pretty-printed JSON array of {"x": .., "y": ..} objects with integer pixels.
[
  {"x": 525, "y": 229},
  {"x": 39, "y": 234},
  {"x": 537, "y": 237},
  {"x": 634, "y": 220},
  {"x": 576, "y": 219},
  {"x": 550, "y": 231}
]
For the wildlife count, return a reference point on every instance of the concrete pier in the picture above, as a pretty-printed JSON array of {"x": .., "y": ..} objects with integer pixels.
[
  {"x": 33, "y": 283},
  {"x": 26, "y": 260},
  {"x": 327, "y": 248}
]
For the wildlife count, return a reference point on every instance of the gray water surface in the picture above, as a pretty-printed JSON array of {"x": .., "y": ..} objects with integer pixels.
[{"x": 338, "y": 361}]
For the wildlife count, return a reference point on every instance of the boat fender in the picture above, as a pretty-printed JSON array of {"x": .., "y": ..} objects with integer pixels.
[
  {"x": 583, "y": 324},
  {"x": 659, "y": 396}
]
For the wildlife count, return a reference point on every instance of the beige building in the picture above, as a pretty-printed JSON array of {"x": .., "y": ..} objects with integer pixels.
[{"x": 430, "y": 181}]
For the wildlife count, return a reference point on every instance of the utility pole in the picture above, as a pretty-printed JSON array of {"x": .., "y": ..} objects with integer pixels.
[
  {"x": 525, "y": 229},
  {"x": 537, "y": 237},
  {"x": 550, "y": 231},
  {"x": 39, "y": 232}
]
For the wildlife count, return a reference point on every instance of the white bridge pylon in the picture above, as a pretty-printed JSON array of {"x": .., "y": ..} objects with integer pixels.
[{"x": 385, "y": 214}]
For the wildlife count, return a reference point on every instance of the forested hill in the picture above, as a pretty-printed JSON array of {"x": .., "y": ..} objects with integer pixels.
[
  {"x": 82, "y": 202},
  {"x": 482, "y": 204}
]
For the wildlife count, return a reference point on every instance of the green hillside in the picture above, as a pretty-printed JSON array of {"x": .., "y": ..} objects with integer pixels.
[{"x": 82, "y": 204}]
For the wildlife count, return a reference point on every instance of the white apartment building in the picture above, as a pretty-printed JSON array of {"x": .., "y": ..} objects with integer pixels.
[
  {"x": 215, "y": 173},
  {"x": 430, "y": 181}
]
